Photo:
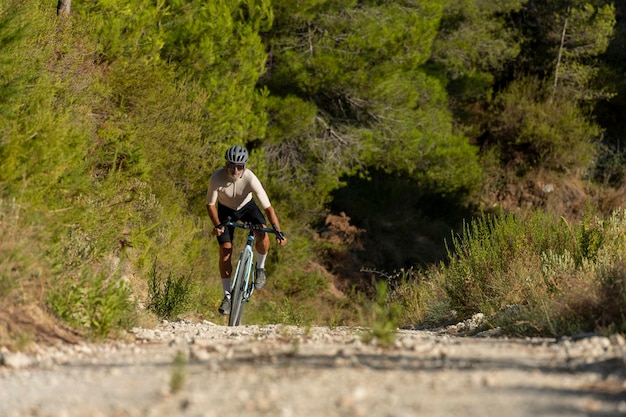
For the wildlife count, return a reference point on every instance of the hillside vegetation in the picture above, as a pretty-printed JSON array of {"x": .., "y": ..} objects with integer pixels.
[{"x": 429, "y": 160}]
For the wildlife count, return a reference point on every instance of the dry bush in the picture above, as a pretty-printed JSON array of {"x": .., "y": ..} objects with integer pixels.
[{"x": 343, "y": 241}]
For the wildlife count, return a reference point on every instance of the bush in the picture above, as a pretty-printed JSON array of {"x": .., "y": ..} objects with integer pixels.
[
  {"x": 532, "y": 131},
  {"x": 561, "y": 278},
  {"x": 417, "y": 297},
  {"x": 97, "y": 304},
  {"x": 382, "y": 317},
  {"x": 497, "y": 260},
  {"x": 169, "y": 296},
  {"x": 16, "y": 249}
]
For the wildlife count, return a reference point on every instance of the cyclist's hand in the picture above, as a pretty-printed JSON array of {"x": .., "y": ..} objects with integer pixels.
[
  {"x": 280, "y": 236},
  {"x": 218, "y": 230},
  {"x": 281, "y": 239}
]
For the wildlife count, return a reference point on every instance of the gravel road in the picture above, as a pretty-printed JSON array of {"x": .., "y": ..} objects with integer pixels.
[{"x": 203, "y": 369}]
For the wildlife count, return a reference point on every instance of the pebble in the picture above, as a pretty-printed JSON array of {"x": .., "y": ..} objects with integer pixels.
[{"x": 17, "y": 360}]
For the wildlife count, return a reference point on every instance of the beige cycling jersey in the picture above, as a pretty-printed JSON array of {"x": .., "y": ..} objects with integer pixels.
[{"x": 238, "y": 193}]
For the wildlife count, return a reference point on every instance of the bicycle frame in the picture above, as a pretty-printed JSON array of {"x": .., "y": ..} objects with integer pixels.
[{"x": 242, "y": 285}]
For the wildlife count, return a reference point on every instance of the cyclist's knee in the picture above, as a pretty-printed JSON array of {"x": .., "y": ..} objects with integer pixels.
[
  {"x": 225, "y": 251},
  {"x": 263, "y": 244}
]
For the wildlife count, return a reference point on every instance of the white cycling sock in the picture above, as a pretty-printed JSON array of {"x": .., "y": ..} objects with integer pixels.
[
  {"x": 260, "y": 260},
  {"x": 226, "y": 286}
]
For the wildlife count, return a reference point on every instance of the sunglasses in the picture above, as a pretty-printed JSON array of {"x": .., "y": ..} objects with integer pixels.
[{"x": 238, "y": 167}]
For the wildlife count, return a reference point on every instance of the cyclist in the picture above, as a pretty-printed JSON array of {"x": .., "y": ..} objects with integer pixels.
[{"x": 230, "y": 195}]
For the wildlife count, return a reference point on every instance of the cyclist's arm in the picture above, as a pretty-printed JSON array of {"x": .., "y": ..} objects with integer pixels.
[
  {"x": 211, "y": 202},
  {"x": 271, "y": 215},
  {"x": 264, "y": 201},
  {"x": 259, "y": 191},
  {"x": 212, "y": 210}
]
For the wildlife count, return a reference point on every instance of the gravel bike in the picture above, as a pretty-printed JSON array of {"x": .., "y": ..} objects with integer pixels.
[{"x": 242, "y": 285}]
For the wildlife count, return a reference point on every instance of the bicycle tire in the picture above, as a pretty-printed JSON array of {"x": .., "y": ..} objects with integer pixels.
[
  {"x": 236, "y": 306},
  {"x": 238, "y": 293}
]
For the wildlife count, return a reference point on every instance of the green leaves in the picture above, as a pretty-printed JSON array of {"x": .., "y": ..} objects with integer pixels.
[
  {"x": 533, "y": 131},
  {"x": 41, "y": 140},
  {"x": 342, "y": 46},
  {"x": 94, "y": 304},
  {"x": 563, "y": 39},
  {"x": 474, "y": 43},
  {"x": 362, "y": 66},
  {"x": 168, "y": 297},
  {"x": 586, "y": 32},
  {"x": 414, "y": 134}
]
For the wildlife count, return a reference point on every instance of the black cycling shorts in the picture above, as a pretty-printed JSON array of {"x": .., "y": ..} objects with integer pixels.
[{"x": 249, "y": 213}]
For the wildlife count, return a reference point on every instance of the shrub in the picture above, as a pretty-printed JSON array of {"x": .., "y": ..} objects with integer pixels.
[
  {"x": 97, "y": 304},
  {"x": 611, "y": 314},
  {"x": 418, "y": 296},
  {"x": 16, "y": 248},
  {"x": 169, "y": 296},
  {"x": 382, "y": 317},
  {"x": 533, "y": 131},
  {"x": 496, "y": 260},
  {"x": 561, "y": 278}
]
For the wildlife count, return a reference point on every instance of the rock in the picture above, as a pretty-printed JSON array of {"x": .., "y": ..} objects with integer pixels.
[{"x": 15, "y": 360}]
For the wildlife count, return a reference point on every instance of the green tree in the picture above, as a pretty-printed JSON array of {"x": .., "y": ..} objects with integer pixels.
[
  {"x": 540, "y": 121},
  {"x": 358, "y": 69},
  {"x": 41, "y": 139},
  {"x": 475, "y": 45},
  {"x": 202, "y": 60},
  {"x": 586, "y": 33},
  {"x": 610, "y": 111},
  {"x": 218, "y": 56},
  {"x": 563, "y": 41},
  {"x": 533, "y": 131}
]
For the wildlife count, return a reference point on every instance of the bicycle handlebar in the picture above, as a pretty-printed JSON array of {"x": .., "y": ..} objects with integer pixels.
[{"x": 254, "y": 227}]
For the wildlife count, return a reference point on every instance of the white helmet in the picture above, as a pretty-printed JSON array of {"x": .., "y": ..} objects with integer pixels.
[{"x": 236, "y": 154}]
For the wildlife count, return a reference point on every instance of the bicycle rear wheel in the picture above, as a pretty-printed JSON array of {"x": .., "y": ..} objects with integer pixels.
[{"x": 239, "y": 291}]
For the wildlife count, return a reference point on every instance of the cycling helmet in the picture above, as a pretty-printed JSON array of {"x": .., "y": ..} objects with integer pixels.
[{"x": 236, "y": 154}]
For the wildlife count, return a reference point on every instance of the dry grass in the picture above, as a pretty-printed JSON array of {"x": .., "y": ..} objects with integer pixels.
[{"x": 537, "y": 275}]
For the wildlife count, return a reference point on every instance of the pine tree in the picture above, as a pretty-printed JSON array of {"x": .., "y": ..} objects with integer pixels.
[{"x": 359, "y": 69}]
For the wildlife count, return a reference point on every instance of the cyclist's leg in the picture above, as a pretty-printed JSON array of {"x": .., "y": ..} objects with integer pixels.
[
  {"x": 226, "y": 269},
  {"x": 262, "y": 248},
  {"x": 262, "y": 243},
  {"x": 225, "y": 261},
  {"x": 226, "y": 248}
]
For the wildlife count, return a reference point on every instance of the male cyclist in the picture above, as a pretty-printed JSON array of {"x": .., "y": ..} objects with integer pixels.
[{"x": 230, "y": 195}]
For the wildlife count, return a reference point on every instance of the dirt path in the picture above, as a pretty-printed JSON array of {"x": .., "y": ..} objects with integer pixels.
[{"x": 289, "y": 371}]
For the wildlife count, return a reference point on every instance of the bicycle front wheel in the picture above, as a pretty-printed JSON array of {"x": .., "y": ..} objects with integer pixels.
[
  {"x": 239, "y": 291},
  {"x": 236, "y": 306}
]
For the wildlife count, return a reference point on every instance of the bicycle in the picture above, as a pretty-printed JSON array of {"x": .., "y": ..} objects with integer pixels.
[{"x": 242, "y": 285}]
